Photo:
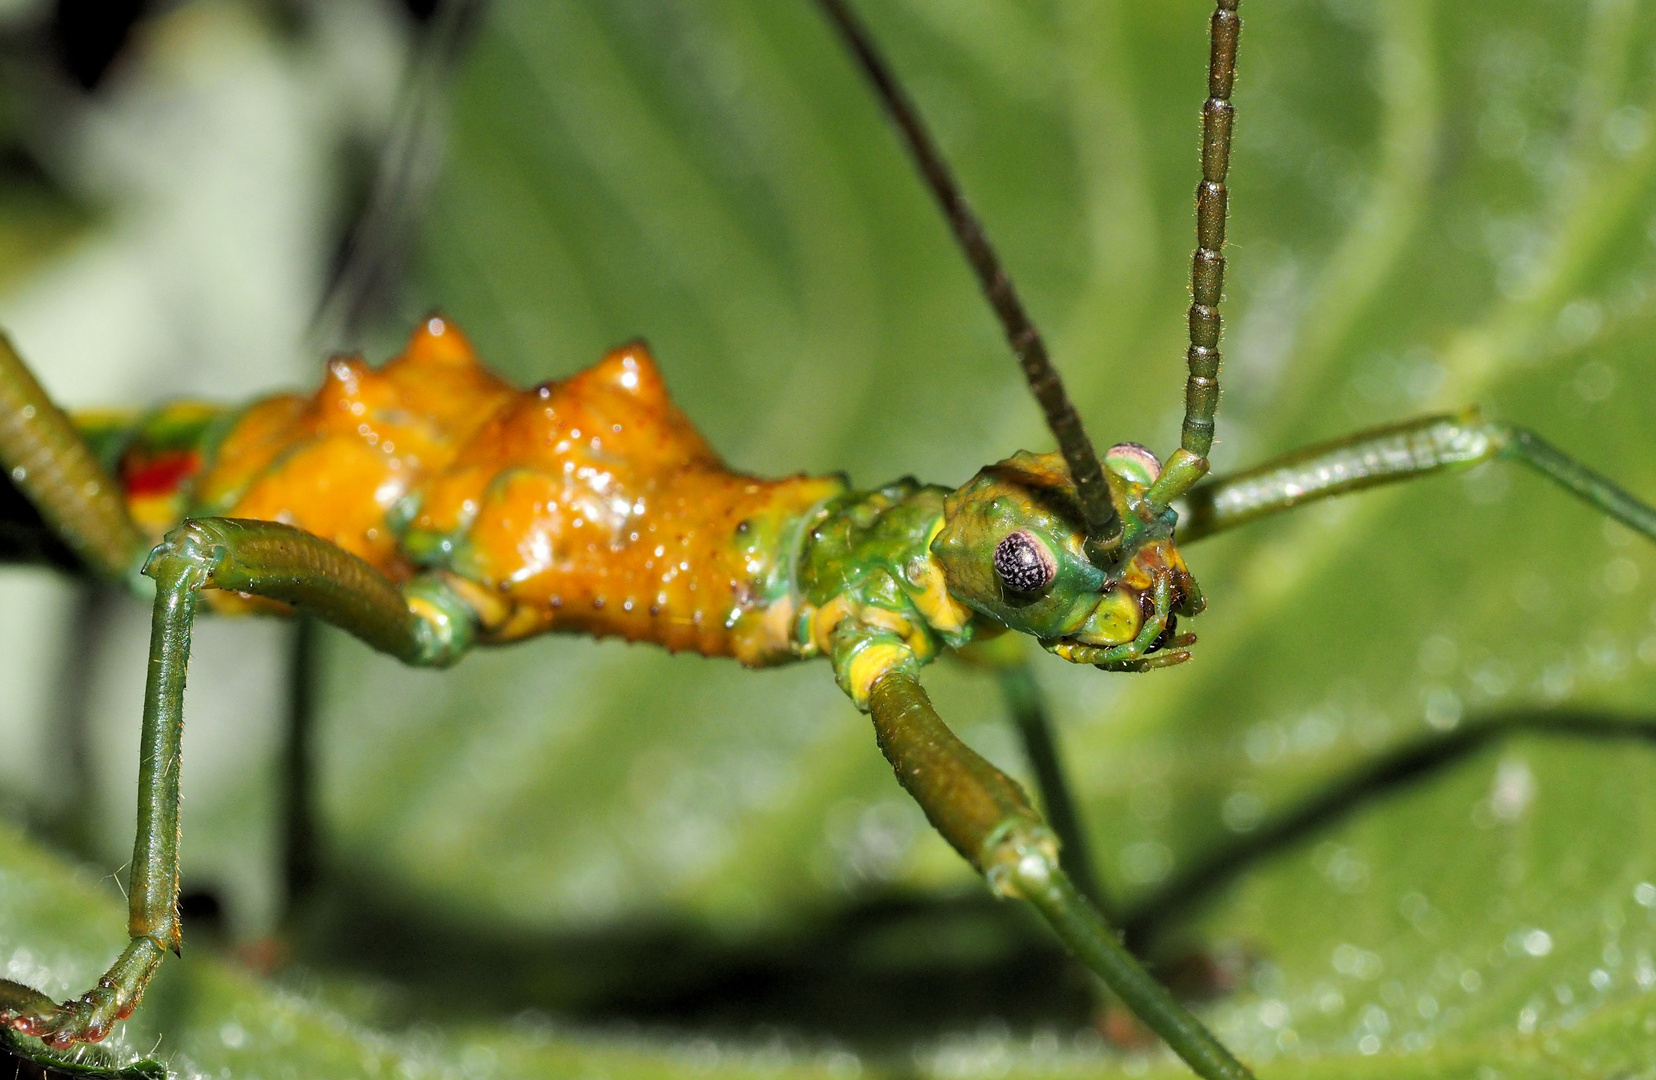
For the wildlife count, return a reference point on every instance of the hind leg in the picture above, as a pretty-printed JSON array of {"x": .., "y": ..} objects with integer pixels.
[{"x": 46, "y": 461}]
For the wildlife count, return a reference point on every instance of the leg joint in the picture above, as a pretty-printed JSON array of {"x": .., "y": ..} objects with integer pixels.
[
  {"x": 1019, "y": 858},
  {"x": 194, "y": 549},
  {"x": 445, "y": 625}
]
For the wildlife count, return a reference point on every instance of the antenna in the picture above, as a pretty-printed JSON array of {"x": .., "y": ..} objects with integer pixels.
[
  {"x": 1189, "y": 463},
  {"x": 410, "y": 160},
  {"x": 1207, "y": 265},
  {"x": 1091, "y": 485}
]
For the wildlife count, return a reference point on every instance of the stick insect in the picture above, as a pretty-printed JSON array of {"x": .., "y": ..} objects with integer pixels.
[{"x": 1015, "y": 570}]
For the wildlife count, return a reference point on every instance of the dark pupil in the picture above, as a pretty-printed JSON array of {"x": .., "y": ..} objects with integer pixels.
[{"x": 1021, "y": 563}]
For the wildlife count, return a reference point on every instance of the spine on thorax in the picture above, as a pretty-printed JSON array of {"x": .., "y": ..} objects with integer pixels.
[{"x": 587, "y": 505}]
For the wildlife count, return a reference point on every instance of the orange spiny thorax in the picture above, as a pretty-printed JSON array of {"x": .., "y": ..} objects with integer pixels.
[{"x": 589, "y": 504}]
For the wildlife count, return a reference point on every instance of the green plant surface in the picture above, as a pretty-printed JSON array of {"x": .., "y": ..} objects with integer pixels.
[
  {"x": 204, "y": 1017},
  {"x": 1434, "y": 205}
]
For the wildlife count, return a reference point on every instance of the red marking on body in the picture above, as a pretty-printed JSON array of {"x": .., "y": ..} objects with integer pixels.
[{"x": 147, "y": 476}]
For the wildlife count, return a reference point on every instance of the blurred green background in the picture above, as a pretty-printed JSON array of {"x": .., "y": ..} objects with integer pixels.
[{"x": 569, "y": 858}]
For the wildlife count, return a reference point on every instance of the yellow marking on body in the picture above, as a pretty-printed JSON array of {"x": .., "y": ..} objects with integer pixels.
[
  {"x": 868, "y": 665},
  {"x": 886, "y": 619},
  {"x": 918, "y": 640},
  {"x": 95, "y": 419},
  {"x": 945, "y": 614},
  {"x": 841, "y": 608},
  {"x": 185, "y": 411},
  {"x": 825, "y": 618},
  {"x": 1115, "y": 620},
  {"x": 155, "y": 515}
]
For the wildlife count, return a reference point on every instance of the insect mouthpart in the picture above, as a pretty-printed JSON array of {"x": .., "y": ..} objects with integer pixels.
[
  {"x": 1134, "y": 624},
  {"x": 1115, "y": 620}
]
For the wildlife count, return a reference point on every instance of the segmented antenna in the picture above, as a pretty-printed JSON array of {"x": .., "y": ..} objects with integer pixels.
[
  {"x": 1103, "y": 525},
  {"x": 1207, "y": 265}
]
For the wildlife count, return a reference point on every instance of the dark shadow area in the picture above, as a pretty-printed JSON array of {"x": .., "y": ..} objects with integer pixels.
[
  {"x": 301, "y": 857},
  {"x": 70, "y": 817},
  {"x": 25, "y": 539},
  {"x": 877, "y": 975},
  {"x": 89, "y": 35}
]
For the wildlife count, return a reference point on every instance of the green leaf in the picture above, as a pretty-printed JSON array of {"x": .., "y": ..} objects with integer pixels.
[
  {"x": 203, "y": 1016},
  {"x": 1434, "y": 205}
]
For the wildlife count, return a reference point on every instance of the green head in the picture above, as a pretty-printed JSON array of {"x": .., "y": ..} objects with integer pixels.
[{"x": 1012, "y": 548}]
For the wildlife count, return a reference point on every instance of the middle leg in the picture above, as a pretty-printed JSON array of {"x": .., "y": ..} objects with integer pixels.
[{"x": 420, "y": 625}]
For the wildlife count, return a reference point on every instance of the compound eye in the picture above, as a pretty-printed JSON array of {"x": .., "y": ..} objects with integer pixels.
[{"x": 1023, "y": 563}]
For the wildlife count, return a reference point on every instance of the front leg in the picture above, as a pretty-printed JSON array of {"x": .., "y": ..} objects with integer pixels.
[
  {"x": 987, "y": 818},
  {"x": 1389, "y": 455},
  {"x": 419, "y": 625}
]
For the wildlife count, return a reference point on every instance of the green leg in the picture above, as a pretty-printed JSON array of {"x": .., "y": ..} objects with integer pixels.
[
  {"x": 986, "y": 817},
  {"x": 265, "y": 559},
  {"x": 49, "y": 462},
  {"x": 1027, "y": 705},
  {"x": 1040, "y": 743},
  {"x": 1389, "y": 455}
]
